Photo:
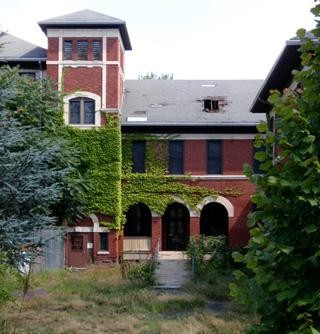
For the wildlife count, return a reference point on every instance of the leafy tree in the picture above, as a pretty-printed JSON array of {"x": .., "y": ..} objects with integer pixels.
[
  {"x": 281, "y": 275},
  {"x": 155, "y": 76},
  {"x": 37, "y": 167}
]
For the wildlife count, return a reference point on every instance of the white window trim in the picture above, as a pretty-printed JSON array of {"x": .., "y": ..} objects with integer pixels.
[{"x": 97, "y": 116}]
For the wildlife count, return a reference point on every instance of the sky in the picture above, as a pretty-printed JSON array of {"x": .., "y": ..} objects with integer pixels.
[{"x": 193, "y": 39}]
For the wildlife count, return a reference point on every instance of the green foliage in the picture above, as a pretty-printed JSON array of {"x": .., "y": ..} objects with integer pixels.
[
  {"x": 100, "y": 166},
  {"x": 281, "y": 280},
  {"x": 155, "y": 76},
  {"x": 155, "y": 188},
  {"x": 208, "y": 252},
  {"x": 35, "y": 163},
  {"x": 142, "y": 272}
]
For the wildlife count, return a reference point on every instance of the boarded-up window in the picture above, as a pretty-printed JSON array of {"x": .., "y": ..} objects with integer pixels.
[
  {"x": 67, "y": 50},
  {"x": 97, "y": 49},
  {"x": 82, "y": 50}
]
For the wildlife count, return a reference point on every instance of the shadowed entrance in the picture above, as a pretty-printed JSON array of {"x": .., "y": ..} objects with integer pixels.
[
  {"x": 175, "y": 227},
  {"x": 214, "y": 220}
]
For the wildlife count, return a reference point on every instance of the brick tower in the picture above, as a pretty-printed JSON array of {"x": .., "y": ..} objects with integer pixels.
[{"x": 86, "y": 59}]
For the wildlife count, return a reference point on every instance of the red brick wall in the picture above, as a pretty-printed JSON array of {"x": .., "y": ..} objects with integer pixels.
[
  {"x": 53, "y": 48},
  {"x": 82, "y": 79},
  {"x": 52, "y": 72},
  {"x": 113, "y": 45},
  {"x": 195, "y": 157},
  {"x": 235, "y": 154},
  {"x": 122, "y": 60},
  {"x": 194, "y": 225},
  {"x": 112, "y": 86}
]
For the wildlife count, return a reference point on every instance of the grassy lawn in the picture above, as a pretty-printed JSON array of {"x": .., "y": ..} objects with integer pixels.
[{"x": 98, "y": 300}]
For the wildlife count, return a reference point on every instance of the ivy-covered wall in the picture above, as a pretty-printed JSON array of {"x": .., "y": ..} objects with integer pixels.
[
  {"x": 100, "y": 155},
  {"x": 154, "y": 187}
]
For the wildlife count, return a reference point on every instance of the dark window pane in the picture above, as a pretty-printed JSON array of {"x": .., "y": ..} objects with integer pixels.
[
  {"x": 97, "y": 50},
  {"x": 176, "y": 157},
  {"x": 67, "y": 50},
  {"x": 74, "y": 117},
  {"x": 138, "y": 156},
  {"x": 76, "y": 243},
  {"x": 257, "y": 163},
  {"x": 103, "y": 241},
  {"x": 138, "y": 221},
  {"x": 89, "y": 112},
  {"x": 31, "y": 75},
  {"x": 214, "y": 157},
  {"x": 82, "y": 50}
]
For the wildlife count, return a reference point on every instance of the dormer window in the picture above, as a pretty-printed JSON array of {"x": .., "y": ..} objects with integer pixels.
[
  {"x": 81, "y": 111},
  {"x": 82, "y": 50},
  {"x": 211, "y": 105}
]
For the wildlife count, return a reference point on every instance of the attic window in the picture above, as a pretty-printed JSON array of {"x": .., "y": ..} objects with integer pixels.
[{"x": 210, "y": 105}]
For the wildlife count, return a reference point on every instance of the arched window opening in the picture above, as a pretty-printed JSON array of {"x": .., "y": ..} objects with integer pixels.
[
  {"x": 81, "y": 111},
  {"x": 214, "y": 220},
  {"x": 138, "y": 221},
  {"x": 175, "y": 227}
]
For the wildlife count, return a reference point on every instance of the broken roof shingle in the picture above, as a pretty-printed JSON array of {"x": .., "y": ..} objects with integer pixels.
[{"x": 180, "y": 102}]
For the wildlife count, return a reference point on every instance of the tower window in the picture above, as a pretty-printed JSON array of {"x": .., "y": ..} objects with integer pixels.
[
  {"x": 81, "y": 111},
  {"x": 97, "y": 50},
  {"x": 82, "y": 50},
  {"x": 67, "y": 50}
]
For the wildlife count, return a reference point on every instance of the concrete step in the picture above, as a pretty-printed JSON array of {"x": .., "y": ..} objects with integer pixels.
[
  {"x": 171, "y": 273},
  {"x": 172, "y": 255}
]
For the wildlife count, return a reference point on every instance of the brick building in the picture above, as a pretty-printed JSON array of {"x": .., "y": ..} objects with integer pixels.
[{"x": 206, "y": 126}]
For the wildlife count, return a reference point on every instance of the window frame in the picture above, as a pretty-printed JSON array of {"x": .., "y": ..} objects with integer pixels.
[
  {"x": 67, "y": 56},
  {"x": 99, "y": 57},
  {"x": 104, "y": 242},
  {"x": 214, "y": 161},
  {"x": 138, "y": 157},
  {"x": 173, "y": 167},
  {"x": 75, "y": 242},
  {"x": 82, "y": 54},
  {"x": 82, "y": 112}
]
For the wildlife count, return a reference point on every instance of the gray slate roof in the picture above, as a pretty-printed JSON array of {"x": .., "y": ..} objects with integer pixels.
[
  {"x": 83, "y": 16},
  {"x": 179, "y": 102},
  {"x": 16, "y": 49},
  {"x": 88, "y": 18}
]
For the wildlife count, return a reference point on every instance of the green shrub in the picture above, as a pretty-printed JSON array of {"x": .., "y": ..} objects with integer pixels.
[
  {"x": 208, "y": 252},
  {"x": 142, "y": 272}
]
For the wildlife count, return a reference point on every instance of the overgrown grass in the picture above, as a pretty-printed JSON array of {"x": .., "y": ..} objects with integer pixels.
[{"x": 98, "y": 300}]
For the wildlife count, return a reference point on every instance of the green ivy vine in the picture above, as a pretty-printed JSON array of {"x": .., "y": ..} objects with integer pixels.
[{"x": 155, "y": 188}]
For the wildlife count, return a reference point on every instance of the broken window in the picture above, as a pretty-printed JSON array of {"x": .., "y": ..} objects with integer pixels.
[{"x": 210, "y": 105}]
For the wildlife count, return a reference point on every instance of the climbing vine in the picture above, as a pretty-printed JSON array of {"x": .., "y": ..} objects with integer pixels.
[
  {"x": 154, "y": 188},
  {"x": 101, "y": 167}
]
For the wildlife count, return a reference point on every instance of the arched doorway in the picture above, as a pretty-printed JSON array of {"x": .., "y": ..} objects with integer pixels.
[
  {"x": 214, "y": 220},
  {"x": 138, "y": 221},
  {"x": 175, "y": 227}
]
